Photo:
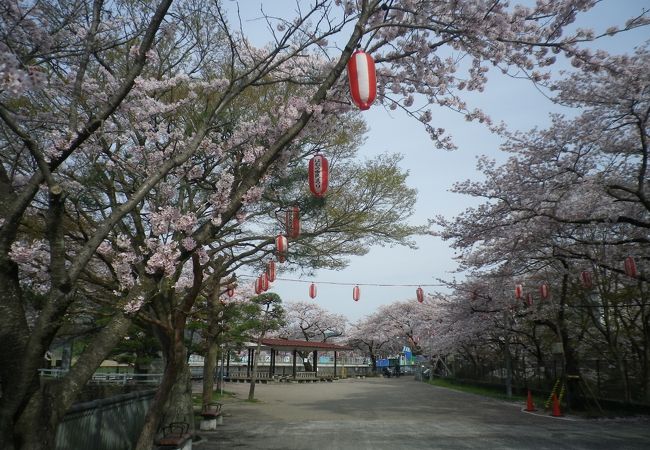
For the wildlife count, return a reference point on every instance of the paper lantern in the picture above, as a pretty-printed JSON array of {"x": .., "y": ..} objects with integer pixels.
[
  {"x": 519, "y": 291},
  {"x": 265, "y": 282},
  {"x": 312, "y": 290},
  {"x": 281, "y": 244},
  {"x": 419, "y": 293},
  {"x": 231, "y": 290},
  {"x": 356, "y": 293},
  {"x": 630, "y": 267},
  {"x": 318, "y": 175},
  {"x": 585, "y": 276},
  {"x": 543, "y": 290},
  {"x": 258, "y": 286},
  {"x": 292, "y": 222},
  {"x": 270, "y": 271},
  {"x": 362, "y": 78}
]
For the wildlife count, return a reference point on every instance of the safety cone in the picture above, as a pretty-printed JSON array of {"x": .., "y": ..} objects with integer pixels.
[
  {"x": 556, "y": 407},
  {"x": 530, "y": 406}
]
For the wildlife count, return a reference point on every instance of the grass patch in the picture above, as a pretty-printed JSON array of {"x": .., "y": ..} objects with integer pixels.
[
  {"x": 610, "y": 409},
  {"x": 481, "y": 390},
  {"x": 216, "y": 396}
]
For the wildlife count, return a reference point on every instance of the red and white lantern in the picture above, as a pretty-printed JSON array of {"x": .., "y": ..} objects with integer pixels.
[
  {"x": 312, "y": 290},
  {"x": 585, "y": 276},
  {"x": 630, "y": 267},
  {"x": 318, "y": 175},
  {"x": 419, "y": 293},
  {"x": 281, "y": 245},
  {"x": 543, "y": 290},
  {"x": 230, "y": 291},
  {"x": 258, "y": 286},
  {"x": 265, "y": 282},
  {"x": 519, "y": 291},
  {"x": 363, "y": 80},
  {"x": 292, "y": 222},
  {"x": 270, "y": 271},
  {"x": 356, "y": 293}
]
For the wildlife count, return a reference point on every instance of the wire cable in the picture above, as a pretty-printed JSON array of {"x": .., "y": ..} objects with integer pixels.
[{"x": 338, "y": 283}]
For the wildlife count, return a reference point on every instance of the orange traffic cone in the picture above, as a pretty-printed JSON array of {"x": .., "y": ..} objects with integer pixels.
[
  {"x": 530, "y": 406},
  {"x": 556, "y": 407}
]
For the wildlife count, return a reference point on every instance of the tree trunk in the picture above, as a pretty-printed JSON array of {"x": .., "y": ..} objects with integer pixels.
[
  {"x": 571, "y": 375},
  {"x": 266, "y": 325},
  {"x": 36, "y": 425},
  {"x": 645, "y": 360},
  {"x": 306, "y": 363},
  {"x": 20, "y": 360},
  {"x": 251, "y": 389},
  {"x": 173, "y": 399},
  {"x": 507, "y": 324},
  {"x": 570, "y": 359},
  {"x": 209, "y": 366},
  {"x": 216, "y": 315},
  {"x": 620, "y": 368},
  {"x": 179, "y": 407},
  {"x": 14, "y": 335},
  {"x": 508, "y": 361}
]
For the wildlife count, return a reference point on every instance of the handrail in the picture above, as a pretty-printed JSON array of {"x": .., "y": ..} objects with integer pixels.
[
  {"x": 306, "y": 375},
  {"x": 110, "y": 377}
]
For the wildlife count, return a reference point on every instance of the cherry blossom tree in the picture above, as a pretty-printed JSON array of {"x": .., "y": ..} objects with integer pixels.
[
  {"x": 369, "y": 337},
  {"x": 392, "y": 327},
  {"x": 47, "y": 117},
  {"x": 311, "y": 322},
  {"x": 570, "y": 199}
]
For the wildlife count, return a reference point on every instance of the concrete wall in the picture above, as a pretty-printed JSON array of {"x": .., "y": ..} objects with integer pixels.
[{"x": 108, "y": 424}]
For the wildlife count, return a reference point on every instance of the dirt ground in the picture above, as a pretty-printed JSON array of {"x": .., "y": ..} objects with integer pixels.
[{"x": 400, "y": 413}]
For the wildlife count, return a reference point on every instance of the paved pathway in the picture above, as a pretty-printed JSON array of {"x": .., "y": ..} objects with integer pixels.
[{"x": 403, "y": 414}]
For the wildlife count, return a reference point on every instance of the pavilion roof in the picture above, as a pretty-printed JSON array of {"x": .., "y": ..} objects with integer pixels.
[{"x": 302, "y": 345}]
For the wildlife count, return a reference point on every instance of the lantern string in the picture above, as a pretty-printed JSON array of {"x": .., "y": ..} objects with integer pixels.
[{"x": 338, "y": 283}]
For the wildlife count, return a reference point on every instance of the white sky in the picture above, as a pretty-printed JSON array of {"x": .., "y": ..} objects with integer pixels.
[{"x": 432, "y": 171}]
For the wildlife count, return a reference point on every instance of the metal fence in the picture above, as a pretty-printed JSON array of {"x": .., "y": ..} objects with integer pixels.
[
  {"x": 153, "y": 379},
  {"x": 599, "y": 379},
  {"x": 284, "y": 370},
  {"x": 108, "y": 424}
]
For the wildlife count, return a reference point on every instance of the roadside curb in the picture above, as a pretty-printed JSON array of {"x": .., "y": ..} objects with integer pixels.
[{"x": 534, "y": 413}]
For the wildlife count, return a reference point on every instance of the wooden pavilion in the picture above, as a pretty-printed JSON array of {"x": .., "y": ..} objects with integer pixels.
[{"x": 274, "y": 346}]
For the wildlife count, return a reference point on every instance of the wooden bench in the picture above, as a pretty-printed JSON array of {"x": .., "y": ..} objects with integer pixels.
[
  {"x": 262, "y": 377},
  {"x": 212, "y": 417},
  {"x": 308, "y": 377},
  {"x": 175, "y": 436}
]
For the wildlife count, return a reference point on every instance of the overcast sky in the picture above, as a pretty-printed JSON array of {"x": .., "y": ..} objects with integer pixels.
[{"x": 431, "y": 171}]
